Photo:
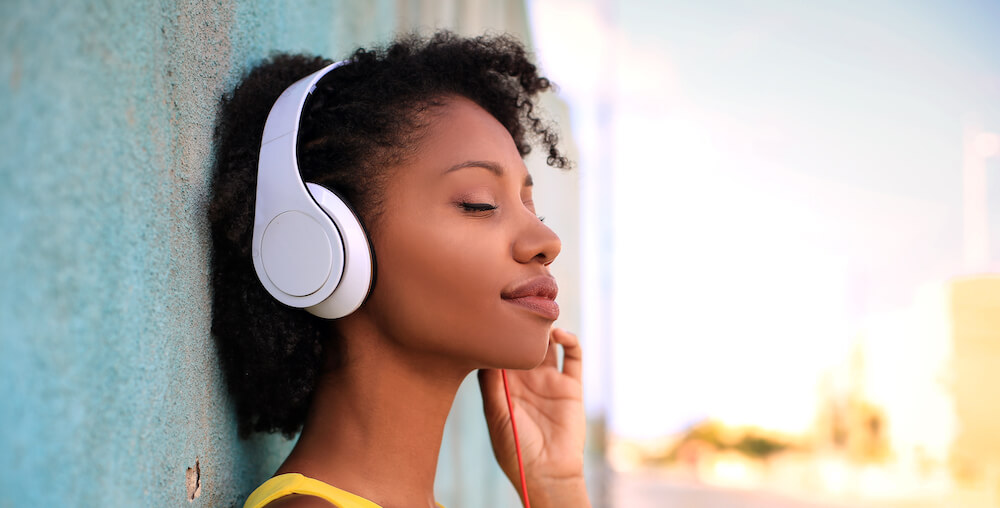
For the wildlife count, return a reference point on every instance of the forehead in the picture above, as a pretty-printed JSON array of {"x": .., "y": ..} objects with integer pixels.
[{"x": 460, "y": 130}]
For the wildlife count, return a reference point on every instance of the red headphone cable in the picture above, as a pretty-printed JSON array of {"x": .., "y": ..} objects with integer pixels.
[{"x": 517, "y": 444}]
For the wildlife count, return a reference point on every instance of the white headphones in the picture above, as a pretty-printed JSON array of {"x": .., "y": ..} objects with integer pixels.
[{"x": 309, "y": 247}]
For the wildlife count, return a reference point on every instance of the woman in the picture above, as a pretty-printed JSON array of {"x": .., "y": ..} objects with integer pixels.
[{"x": 424, "y": 139}]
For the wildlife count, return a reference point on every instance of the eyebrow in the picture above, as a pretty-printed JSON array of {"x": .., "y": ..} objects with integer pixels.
[{"x": 490, "y": 166}]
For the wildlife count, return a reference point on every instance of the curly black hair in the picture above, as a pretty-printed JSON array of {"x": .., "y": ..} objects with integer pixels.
[{"x": 362, "y": 118}]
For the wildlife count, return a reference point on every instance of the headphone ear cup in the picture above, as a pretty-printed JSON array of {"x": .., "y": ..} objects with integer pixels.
[{"x": 358, "y": 259}]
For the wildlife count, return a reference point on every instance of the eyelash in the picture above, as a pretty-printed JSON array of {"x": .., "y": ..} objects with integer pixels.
[
  {"x": 486, "y": 207},
  {"x": 478, "y": 207}
]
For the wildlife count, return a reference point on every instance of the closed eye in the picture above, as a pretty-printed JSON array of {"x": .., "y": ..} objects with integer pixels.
[{"x": 478, "y": 207}]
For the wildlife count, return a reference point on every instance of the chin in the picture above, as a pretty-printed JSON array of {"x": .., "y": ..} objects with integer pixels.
[{"x": 528, "y": 354}]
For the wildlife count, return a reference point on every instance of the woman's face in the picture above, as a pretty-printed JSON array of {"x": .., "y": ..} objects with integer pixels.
[{"x": 462, "y": 257}]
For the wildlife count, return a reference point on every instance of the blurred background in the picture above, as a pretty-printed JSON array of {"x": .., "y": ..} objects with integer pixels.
[
  {"x": 781, "y": 246},
  {"x": 792, "y": 212}
]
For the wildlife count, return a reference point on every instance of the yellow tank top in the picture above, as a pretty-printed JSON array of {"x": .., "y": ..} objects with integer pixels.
[{"x": 295, "y": 483}]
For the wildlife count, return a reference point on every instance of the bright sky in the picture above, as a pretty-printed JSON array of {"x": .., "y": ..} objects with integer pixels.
[{"x": 783, "y": 175}]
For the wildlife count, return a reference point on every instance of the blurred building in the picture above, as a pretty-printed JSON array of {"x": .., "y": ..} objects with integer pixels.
[
  {"x": 847, "y": 420},
  {"x": 975, "y": 362},
  {"x": 920, "y": 394},
  {"x": 916, "y": 403}
]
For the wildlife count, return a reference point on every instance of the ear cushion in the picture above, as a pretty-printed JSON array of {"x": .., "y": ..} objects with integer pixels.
[{"x": 358, "y": 264}]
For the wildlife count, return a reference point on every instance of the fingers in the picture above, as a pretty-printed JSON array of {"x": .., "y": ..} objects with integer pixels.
[{"x": 572, "y": 353}]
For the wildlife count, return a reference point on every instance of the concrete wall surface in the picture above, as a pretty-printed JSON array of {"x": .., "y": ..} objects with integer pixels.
[{"x": 112, "y": 395}]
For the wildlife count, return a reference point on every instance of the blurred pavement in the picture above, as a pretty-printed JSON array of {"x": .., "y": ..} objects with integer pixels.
[{"x": 653, "y": 490}]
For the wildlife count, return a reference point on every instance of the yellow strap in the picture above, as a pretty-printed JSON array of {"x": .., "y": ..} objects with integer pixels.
[{"x": 295, "y": 483}]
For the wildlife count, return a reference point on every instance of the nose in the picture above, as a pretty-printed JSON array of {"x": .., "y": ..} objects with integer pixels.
[{"x": 536, "y": 242}]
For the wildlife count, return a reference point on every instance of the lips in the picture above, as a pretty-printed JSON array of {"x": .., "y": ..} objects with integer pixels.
[{"x": 536, "y": 295}]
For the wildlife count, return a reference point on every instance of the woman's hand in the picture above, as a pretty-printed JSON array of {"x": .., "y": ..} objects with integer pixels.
[{"x": 551, "y": 426}]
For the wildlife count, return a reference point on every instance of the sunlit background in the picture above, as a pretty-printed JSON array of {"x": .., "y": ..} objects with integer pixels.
[{"x": 792, "y": 210}]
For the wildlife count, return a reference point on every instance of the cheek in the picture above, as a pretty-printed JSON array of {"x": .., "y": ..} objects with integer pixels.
[
  {"x": 439, "y": 289},
  {"x": 429, "y": 281}
]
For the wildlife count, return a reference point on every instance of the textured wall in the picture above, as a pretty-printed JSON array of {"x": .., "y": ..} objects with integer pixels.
[{"x": 110, "y": 385}]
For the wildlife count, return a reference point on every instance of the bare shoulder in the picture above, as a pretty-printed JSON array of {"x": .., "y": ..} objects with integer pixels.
[{"x": 300, "y": 501}]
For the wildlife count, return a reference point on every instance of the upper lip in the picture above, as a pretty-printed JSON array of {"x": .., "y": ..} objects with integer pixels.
[{"x": 543, "y": 286}]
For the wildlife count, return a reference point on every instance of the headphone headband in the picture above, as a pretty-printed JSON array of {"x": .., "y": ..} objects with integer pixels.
[
  {"x": 287, "y": 110},
  {"x": 303, "y": 246}
]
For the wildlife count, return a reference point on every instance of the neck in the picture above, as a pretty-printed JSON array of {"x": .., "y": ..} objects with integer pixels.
[{"x": 375, "y": 424}]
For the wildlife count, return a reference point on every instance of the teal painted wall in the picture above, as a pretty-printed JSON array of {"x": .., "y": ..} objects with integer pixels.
[{"x": 111, "y": 389}]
